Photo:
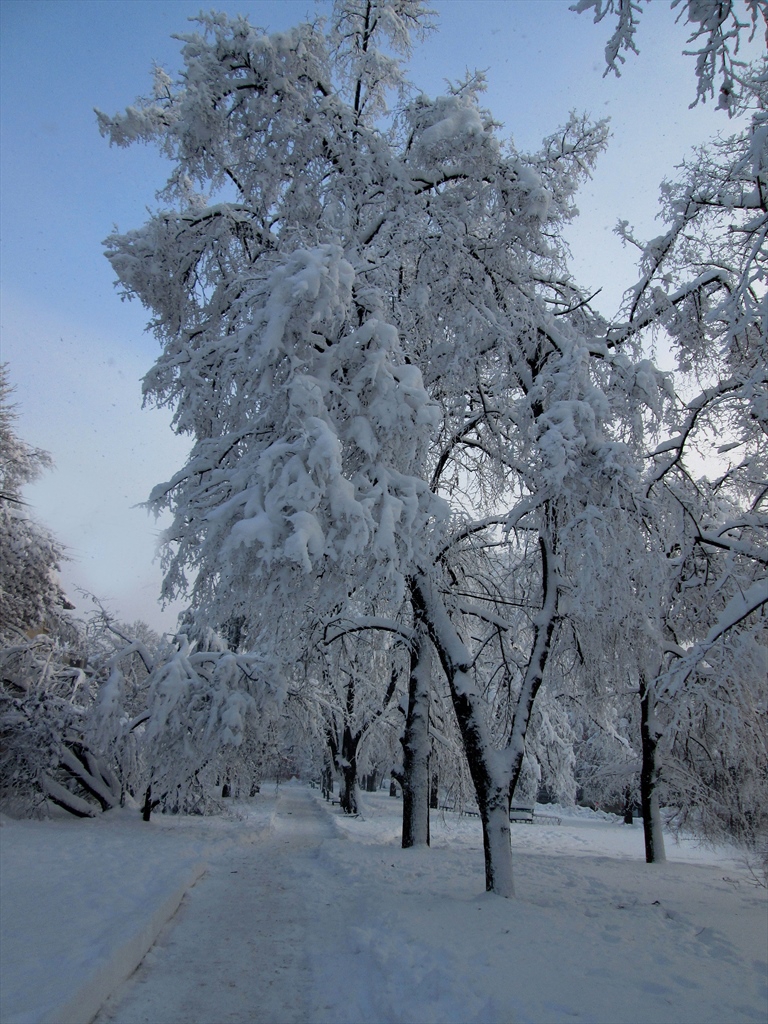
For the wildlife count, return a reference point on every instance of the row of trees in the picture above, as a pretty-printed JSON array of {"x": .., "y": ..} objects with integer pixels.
[
  {"x": 435, "y": 500},
  {"x": 95, "y": 714}
]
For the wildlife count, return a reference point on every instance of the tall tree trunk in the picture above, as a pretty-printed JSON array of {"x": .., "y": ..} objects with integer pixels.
[
  {"x": 415, "y": 743},
  {"x": 649, "y": 777},
  {"x": 434, "y": 791},
  {"x": 495, "y": 773},
  {"x": 497, "y": 842},
  {"x": 629, "y": 817},
  {"x": 534, "y": 674},
  {"x": 488, "y": 770},
  {"x": 347, "y": 765},
  {"x": 326, "y": 778},
  {"x": 146, "y": 807}
]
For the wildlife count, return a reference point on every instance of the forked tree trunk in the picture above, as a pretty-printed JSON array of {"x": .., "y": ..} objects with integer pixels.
[
  {"x": 487, "y": 768},
  {"x": 494, "y": 772},
  {"x": 649, "y": 777},
  {"x": 492, "y": 789},
  {"x": 543, "y": 631},
  {"x": 415, "y": 743},
  {"x": 347, "y": 765}
]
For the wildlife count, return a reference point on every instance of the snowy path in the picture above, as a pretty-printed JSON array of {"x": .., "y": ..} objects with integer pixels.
[
  {"x": 235, "y": 950},
  {"x": 322, "y": 919},
  {"x": 306, "y": 915}
]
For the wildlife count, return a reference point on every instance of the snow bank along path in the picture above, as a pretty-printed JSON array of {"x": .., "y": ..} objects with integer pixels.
[
  {"x": 236, "y": 949},
  {"x": 81, "y": 904},
  {"x": 306, "y": 915}
]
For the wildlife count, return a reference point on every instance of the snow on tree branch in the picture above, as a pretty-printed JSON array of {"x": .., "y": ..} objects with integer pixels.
[{"x": 716, "y": 34}]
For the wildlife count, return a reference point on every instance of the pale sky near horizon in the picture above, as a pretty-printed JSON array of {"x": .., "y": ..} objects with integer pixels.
[{"x": 77, "y": 354}]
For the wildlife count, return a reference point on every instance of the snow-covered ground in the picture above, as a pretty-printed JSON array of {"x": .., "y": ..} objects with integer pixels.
[{"x": 303, "y": 915}]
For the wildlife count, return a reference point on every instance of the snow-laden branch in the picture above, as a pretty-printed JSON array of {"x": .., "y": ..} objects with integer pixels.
[{"x": 338, "y": 629}]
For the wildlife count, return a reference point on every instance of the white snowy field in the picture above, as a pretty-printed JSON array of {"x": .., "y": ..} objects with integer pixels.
[{"x": 303, "y": 915}]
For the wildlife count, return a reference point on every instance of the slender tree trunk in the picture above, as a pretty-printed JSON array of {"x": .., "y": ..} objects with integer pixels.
[
  {"x": 494, "y": 773},
  {"x": 347, "y": 765},
  {"x": 629, "y": 818},
  {"x": 649, "y": 777},
  {"x": 416, "y": 746},
  {"x": 489, "y": 771},
  {"x": 326, "y": 777},
  {"x": 492, "y": 788},
  {"x": 534, "y": 673},
  {"x": 434, "y": 791}
]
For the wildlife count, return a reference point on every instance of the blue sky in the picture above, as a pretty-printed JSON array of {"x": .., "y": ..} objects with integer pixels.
[{"x": 77, "y": 353}]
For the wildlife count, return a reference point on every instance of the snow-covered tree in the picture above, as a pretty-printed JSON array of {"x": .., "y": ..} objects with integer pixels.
[
  {"x": 717, "y": 28},
  {"x": 47, "y": 699},
  {"x": 702, "y": 285},
  {"x": 41, "y": 680},
  {"x": 30, "y": 594},
  {"x": 351, "y": 701},
  {"x": 370, "y": 334},
  {"x": 175, "y": 718}
]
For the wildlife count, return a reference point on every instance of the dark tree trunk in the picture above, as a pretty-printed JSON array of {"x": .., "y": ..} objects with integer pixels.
[
  {"x": 534, "y": 673},
  {"x": 434, "y": 791},
  {"x": 347, "y": 765},
  {"x": 146, "y": 809},
  {"x": 415, "y": 743},
  {"x": 629, "y": 817},
  {"x": 327, "y": 781},
  {"x": 348, "y": 790},
  {"x": 649, "y": 777},
  {"x": 344, "y": 752}
]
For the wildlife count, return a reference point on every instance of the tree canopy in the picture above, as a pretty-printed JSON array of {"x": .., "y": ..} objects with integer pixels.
[{"x": 425, "y": 473}]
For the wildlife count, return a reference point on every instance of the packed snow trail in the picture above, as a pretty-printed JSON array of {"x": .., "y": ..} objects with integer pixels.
[
  {"x": 287, "y": 929},
  {"x": 235, "y": 951},
  {"x": 306, "y": 914},
  {"x": 323, "y": 919}
]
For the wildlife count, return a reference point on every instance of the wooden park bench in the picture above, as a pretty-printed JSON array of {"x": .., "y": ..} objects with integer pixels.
[
  {"x": 471, "y": 811},
  {"x": 525, "y": 813}
]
